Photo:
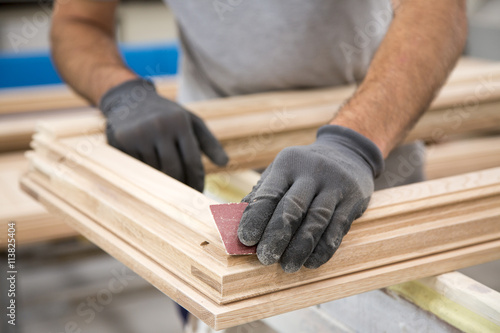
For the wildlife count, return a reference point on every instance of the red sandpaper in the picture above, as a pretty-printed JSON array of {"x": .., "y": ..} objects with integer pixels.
[{"x": 227, "y": 218}]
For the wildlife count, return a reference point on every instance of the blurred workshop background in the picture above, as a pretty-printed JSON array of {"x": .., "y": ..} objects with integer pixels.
[
  {"x": 60, "y": 278},
  {"x": 147, "y": 32}
]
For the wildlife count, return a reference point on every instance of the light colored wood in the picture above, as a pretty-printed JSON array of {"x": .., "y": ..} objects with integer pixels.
[
  {"x": 22, "y": 108},
  {"x": 469, "y": 105},
  {"x": 443, "y": 124},
  {"x": 460, "y": 300},
  {"x": 134, "y": 203},
  {"x": 259, "y": 144},
  {"x": 454, "y": 313},
  {"x": 468, "y": 293},
  {"x": 16, "y": 130},
  {"x": 462, "y": 156},
  {"x": 59, "y": 97},
  {"x": 33, "y": 222},
  {"x": 224, "y": 316},
  {"x": 469, "y": 68}
]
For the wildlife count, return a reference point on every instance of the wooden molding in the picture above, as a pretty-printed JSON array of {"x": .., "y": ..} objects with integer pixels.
[
  {"x": 171, "y": 222},
  {"x": 462, "y": 156},
  {"x": 224, "y": 316}
]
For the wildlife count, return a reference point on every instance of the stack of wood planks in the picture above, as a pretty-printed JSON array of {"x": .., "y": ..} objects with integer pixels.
[
  {"x": 164, "y": 231},
  {"x": 468, "y": 105},
  {"x": 462, "y": 156},
  {"x": 33, "y": 222},
  {"x": 22, "y": 108},
  {"x": 59, "y": 97}
]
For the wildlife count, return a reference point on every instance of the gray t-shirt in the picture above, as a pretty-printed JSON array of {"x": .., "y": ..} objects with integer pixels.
[{"x": 235, "y": 47}]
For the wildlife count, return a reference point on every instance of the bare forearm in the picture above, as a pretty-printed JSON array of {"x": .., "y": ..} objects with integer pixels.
[
  {"x": 420, "y": 49},
  {"x": 86, "y": 56}
]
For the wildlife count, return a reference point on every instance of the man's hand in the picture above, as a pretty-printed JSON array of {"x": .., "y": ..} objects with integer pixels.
[
  {"x": 159, "y": 132},
  {"x": 308, "y": 197}
]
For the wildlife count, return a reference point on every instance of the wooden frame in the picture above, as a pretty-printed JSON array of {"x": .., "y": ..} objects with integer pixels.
[
  {"x": 36, "y": 224},
  {"x": 170, "y": 224},
  {"x": 224, "y": 316}
]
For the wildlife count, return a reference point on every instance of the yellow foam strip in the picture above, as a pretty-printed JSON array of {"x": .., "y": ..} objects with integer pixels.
[{"x": 444, "y": 308}]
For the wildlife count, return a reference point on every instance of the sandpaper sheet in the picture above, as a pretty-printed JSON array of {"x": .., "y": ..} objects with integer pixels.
[{"x": 227, "y": 218}]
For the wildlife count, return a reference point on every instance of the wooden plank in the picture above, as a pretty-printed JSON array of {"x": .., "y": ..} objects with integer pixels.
[
  {"x": 453, "y": 287},
  {"x": 400, "y": 224},
  {"x": 466, "y": 106},
  {"x": 225, "y": 316},
  {"x": 442, "y": 124},
  {"x": 462, "y": 156},
  {"x": 16, "y": 130},
  {"x": 258, "y": 150},
  {"x": 468, "y": 293},
  {"x": 468, "y": 68},
  {"x": 59, "y": 97},
  {"x": 275, "y": 120},
  {"x": 444, "y": 159},
  {"x": 33, "y": 222},
  {"x": 22, "y": 108}
]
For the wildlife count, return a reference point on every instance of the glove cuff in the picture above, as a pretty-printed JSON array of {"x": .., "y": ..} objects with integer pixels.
[
  {"x": 354, "y": 141},
  {"x": 128, "y": 92}
]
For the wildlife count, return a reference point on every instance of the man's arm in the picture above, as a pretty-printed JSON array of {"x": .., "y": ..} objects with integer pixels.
[
  {"x": 84, "y": 47},
  {"x": 413, "y": 61},
  {"x": 139, "y": 122},
  {"x": 307, "y": 199}
]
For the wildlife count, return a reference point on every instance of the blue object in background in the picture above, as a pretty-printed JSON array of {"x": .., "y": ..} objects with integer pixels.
[{"x": 36, "y": 68}]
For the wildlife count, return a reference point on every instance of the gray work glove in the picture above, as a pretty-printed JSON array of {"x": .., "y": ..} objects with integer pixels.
[
  {"x": 159, "y": 132},
  {"x": 306, "y": 200}
]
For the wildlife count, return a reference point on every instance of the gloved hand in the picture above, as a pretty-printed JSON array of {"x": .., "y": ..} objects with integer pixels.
[
  {"x": 306, "y": 200},
  {"x": 159, "y": 132}
]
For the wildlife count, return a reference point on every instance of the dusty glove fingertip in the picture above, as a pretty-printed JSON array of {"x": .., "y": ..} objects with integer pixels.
[
  {"x": 313, "y": 262},
  {"x": 266, "y": 256},
  {"x": 247, "y": 233},
  {"x": 247, "y": 237},
  {"x": 290, "y": 267}
]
